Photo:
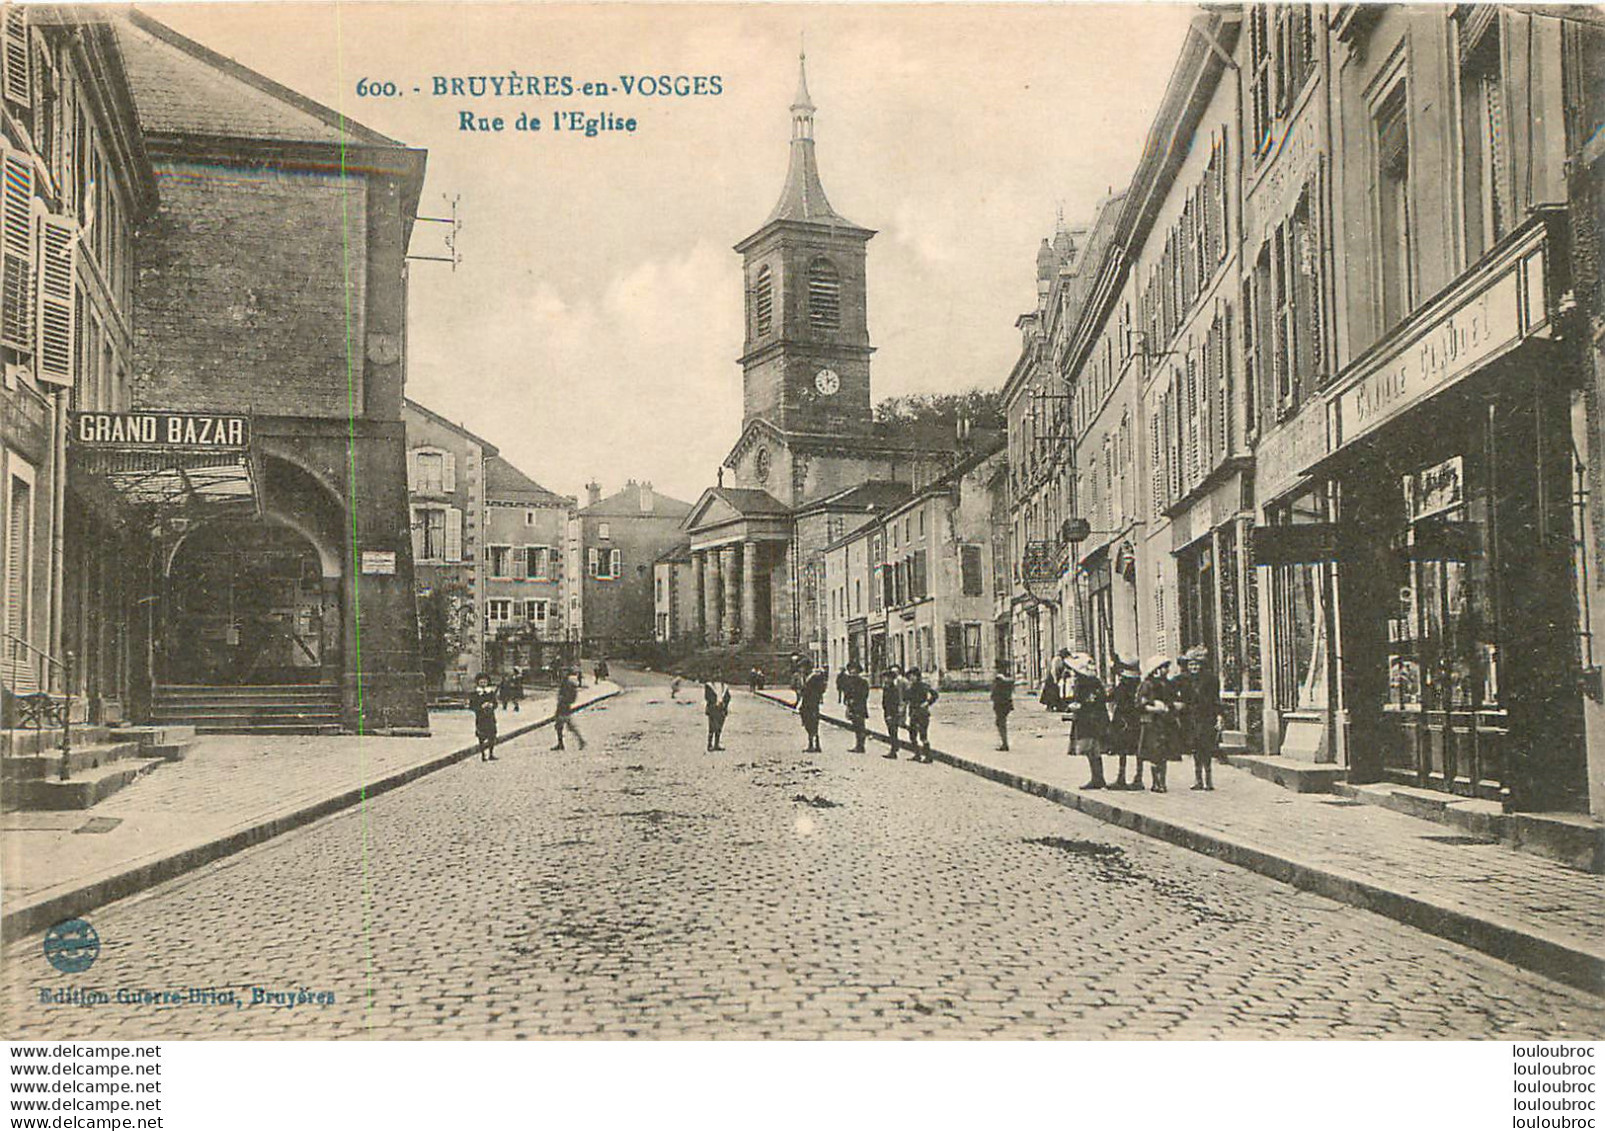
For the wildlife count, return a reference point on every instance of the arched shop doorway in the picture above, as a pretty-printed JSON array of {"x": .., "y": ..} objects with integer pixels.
[{"x": 249, "y": 602}]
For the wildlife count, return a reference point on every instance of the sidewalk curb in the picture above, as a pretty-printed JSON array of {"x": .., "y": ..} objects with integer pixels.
[
  {"x": 26, "y": 920},
  {"x": 1552, "y": 956}
]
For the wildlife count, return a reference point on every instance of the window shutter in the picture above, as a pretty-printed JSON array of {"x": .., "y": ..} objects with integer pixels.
[
  {"x": 592, "y": 561},
  {"x": 16, "y": 251},
  {"x": 454, "y": 534},
  {"x": 18, "y": 79},
  {"x": 970, "y": 563},
  {"x": 56, "y": 282},
  {"x": 417, "y": 535},
  {"x": 449, "y": 475},
  {"x": 615, "y": 563},
  {"x": 412, "y": 472},
  {"x": 519, "y": 567}
]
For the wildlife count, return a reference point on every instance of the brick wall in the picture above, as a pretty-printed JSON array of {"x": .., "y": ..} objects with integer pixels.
[{"x": 241, "y": 299}]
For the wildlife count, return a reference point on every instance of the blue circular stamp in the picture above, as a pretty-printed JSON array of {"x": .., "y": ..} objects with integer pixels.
[{"x": 72, "y": 946}]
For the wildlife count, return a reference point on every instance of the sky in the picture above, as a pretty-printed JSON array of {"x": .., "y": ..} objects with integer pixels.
[{"x": 592, "y": 328}]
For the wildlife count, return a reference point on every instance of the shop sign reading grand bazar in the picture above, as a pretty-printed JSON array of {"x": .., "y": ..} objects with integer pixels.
[{"x": 160, "y": 429}]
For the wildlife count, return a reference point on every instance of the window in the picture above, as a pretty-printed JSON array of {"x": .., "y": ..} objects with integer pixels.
[
  {"x": 437, "y": 534},
  {"x": 1482, "y": 131},
  {"x": 538, "y": 563},
  {"x": 535, "y": 611},
  {"x": 604, "y": 563},
  {"x": 498, "y": 610},
  {"x": 1393, "y": 208},
  {"x": 1259, "y": 48},
  {"x": 431, "y": 470},
  {"x": 970, "y": 568},
  {"x": 529, "y": 518},
  {"x": 604, "y": 532},
  {"x": 501, "y": 561},
  {"x": 763, "y": 302}
]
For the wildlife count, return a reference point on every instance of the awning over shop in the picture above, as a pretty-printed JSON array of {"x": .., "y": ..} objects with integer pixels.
[{"x": 166, "y": 465}]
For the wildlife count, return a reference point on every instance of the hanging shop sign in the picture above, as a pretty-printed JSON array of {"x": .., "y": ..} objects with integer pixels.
[
  {"x": 160, "y": 430},
  {"x": 1042, "y": 563}
]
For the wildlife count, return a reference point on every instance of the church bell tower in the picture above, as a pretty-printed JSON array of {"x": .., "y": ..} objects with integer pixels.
[{"x": 806, "y": 362}]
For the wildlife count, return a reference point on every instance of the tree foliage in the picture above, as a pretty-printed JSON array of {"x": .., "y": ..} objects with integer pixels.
[{"x": 984, "y": 407}]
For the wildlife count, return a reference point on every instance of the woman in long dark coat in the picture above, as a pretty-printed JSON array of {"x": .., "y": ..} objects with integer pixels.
[
  {"x": 1157, "y": 699},
  {"x": 1089, "y": 716},
  {"x": 1125, "y": 722}
]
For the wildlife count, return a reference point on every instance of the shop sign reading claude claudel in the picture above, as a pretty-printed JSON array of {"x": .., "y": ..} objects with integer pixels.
[
  {"x": 1474, "y": 334},
  {"x": 160, "y": 430}
]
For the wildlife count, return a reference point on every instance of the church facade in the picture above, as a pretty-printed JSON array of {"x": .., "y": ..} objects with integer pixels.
[{"x": 811, "y": 463}]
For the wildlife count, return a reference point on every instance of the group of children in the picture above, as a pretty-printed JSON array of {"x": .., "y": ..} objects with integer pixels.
[{"x": 1151, "y": 715}]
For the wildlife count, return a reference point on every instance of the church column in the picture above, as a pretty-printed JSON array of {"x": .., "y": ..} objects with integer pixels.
[
  {"x": 699, "y": 574},
  {"x": 715, "y": 596},
  {"x": 749, "y": 593},
  {"x": 727, "y": 568}
]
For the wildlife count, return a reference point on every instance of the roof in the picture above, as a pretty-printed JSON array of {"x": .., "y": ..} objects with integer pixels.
[
  {"x": 181, "y": 87},
  {"x": 854, "y": 533},
  {"x": 627, "y": 504},
  {"x": 876, "y": 495},
  {"x": 679, "y": 552},
  {"x": 885, "y": 436},
  {"x": 751, "y": 502},
  {"x": 431, "y": 414},
  {"x": 503, "y": 479}
]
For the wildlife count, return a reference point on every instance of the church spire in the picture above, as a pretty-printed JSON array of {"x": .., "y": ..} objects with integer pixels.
[
  {"x": 803, "y": 198},
  {"x": 802, "y": 107}
]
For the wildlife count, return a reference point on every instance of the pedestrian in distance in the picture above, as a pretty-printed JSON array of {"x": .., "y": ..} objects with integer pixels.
[
  {"x": 810, "y": 700},
  {"x": 1160, "y": 740},
  {"x": 918, "y": 698},
  {"x": 674, "y": 688},
  {"x": 1200, "y": 715},
  {"x": 1088, "y": 707},
  {"x": 517, "y": 688},
  {"x": 1002, "y": 702},
  {"x": 504, "y": 691},
  {"x": 755, "y": 679},
  {"x": 1125, "y": 722},
  {"x": 855, "y": 694},
  {"x": 482, "y": 701},
  {"x": 568, "y": 694},
  {"x": 716, "y": 705},
  {"x": 892, "y": 706},
  {"x": 1053, "y": 683}
]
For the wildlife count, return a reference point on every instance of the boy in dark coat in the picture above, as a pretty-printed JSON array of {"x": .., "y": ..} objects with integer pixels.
[
  {"x": 918, "y": 699},
  {"x": 716, "y": 705},
  {"x": 1125, "y": 723},
  {"x": 809, "y": 702},
  {"x": 482, "y": 701},
  {"x": 568, "y": 693},
  {"x": 855, "y": 693},
  {"x": 1200, "y": 716},
  {"x": 1002, "y": 702},
  {"x": 892, "y": 706},
  {"x": 1089, "y": 716}
]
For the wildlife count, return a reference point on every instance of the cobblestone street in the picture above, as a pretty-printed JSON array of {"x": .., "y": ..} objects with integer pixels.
[{"x": 645, "y": 888}]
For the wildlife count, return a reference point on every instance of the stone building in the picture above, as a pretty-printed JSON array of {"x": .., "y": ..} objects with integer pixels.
[
  {"x": 446, "y": 469},
  {"x": 269, "y": 294},
  {"x": 526, "y": 621},
  {"x": 914, "y": 585},
  {"x": 618, "y": 541}
]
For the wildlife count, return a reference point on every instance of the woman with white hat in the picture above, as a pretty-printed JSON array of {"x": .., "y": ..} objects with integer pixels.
[
  {"x": 1089, "y": 715},
  {"x": 1160, "y": 742}
]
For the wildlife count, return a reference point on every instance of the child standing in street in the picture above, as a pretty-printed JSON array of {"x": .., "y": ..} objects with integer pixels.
[
  {"x": 716, "y": 705},
  {"x": 918, "y": 699},
  {"x": 1002, "y": 702},
  {"x": 482, "y": 701},
  {"x": 568, "y": 693},
  {"x": 892, "y": 706}
]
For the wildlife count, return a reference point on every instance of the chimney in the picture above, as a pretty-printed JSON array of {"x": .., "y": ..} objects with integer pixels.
[
  {"x": 593, "y": 493},
  {"x": 647, "y": 501}
]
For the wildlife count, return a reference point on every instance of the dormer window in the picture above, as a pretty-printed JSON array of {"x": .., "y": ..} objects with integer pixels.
[
  {"x": 824, "y": 295},
  {"x": 763, "y": 302}
]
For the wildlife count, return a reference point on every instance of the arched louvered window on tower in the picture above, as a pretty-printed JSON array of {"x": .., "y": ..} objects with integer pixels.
[
  {"x": 763, "y": 302},
  {"x": 824, "y": 295}
]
